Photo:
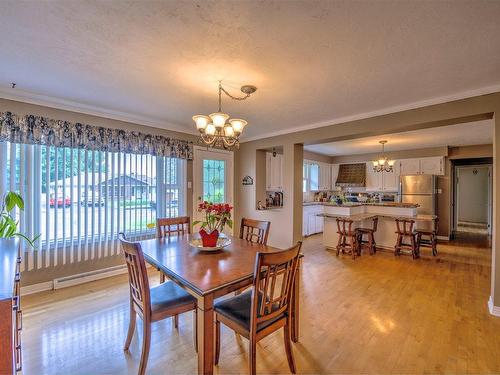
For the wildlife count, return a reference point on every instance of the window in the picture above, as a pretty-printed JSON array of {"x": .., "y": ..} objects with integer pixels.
[
  {"x": 80, "y": 198},
  {"x": 213, "y": 181}
]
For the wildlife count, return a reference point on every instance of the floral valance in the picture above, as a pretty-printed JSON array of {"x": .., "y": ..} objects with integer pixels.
[{"x": 32, "y": 129}]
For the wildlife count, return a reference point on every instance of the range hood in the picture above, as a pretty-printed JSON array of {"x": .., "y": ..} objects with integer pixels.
[{"x": 352, "y": 175}]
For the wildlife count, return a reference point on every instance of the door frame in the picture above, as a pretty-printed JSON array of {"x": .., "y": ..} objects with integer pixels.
[
  {"x": 199, "y": 152},
  {"x": 456, "y": 191}
]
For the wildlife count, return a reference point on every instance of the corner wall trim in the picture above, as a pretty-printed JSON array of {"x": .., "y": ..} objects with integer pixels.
[{"x": 494, "y": 310}]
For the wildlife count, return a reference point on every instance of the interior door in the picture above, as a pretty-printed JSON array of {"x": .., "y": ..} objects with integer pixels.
[{"x": 212, "y": 178}]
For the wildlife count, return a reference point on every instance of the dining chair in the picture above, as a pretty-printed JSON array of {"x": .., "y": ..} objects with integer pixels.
[
  {"x": 266, "y": 307},
  {"x": 172, "y": 226},
  {"x": 255, "y": 230},
  {"x": 151, "y": 304}
]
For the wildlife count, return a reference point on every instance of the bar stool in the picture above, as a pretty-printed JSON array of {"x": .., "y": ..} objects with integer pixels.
[
  {"x": 348, "y": 242},
  {"x": 370, "y": 240},
  {"x": 430, "y": 237},
  {"x": 404, "y": 230}
]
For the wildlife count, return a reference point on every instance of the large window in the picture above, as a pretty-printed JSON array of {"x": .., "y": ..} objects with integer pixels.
[{"x": 79, "y": 197}]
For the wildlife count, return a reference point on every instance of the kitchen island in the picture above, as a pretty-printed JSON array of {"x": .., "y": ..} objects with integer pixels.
[{"x": 362, "y": 215}]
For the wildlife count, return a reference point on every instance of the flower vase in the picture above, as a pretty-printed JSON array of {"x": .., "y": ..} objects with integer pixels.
[{"x": 209, "y": 239}]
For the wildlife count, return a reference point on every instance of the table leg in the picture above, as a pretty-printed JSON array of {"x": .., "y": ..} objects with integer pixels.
[
  {"x": 205, "y": 335},
  {"x": 295, "y": 304}
]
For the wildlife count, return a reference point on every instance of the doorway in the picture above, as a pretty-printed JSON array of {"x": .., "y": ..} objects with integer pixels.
[
  {"x": 212, "y": 177},
  {"x": 472, "y": 198}
]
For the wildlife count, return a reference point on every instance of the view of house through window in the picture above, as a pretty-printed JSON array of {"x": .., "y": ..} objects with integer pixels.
[{"x": 81, "y": 195}]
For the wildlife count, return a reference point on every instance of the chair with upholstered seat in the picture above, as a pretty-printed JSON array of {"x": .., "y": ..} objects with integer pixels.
[
  {"x": 265, "y": 308},
  {"x": 151, "y": 304}
]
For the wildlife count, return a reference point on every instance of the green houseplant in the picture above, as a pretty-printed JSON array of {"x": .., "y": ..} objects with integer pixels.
[{"x": 8, "y": 224}]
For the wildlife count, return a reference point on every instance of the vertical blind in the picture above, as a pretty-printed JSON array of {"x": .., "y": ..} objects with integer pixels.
[{"x": 79, "y": 200}]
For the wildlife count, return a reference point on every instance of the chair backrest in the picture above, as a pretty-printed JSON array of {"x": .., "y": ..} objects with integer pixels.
[
  {"x": 137, "y": 275},
  {"x": 375, "y": 223},
  {"x": 344, "y": 227},
  {"x": 167, "y": 226},
  {"x": 255, "y": 230},
  {"x": 405, "y": 226},
  {"x": 273, "y": 282}
]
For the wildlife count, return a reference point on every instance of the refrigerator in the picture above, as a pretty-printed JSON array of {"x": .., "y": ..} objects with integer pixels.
[{"x": 419, "y": 189}]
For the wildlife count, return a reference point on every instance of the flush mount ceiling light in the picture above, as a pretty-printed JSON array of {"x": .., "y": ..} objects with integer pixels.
[
  {"x": 383, "y": 164},
  {"x": 217, "y": 129}
]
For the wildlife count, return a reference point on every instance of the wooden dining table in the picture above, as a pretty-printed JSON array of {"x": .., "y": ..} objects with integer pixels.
[{"x": 210, "y": 275}]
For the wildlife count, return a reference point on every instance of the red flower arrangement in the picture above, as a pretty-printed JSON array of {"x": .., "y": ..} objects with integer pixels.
[{"x": 217, "y": 216}]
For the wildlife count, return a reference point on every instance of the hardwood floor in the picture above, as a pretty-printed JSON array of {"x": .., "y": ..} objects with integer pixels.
[{"x": 376, "y": 314}]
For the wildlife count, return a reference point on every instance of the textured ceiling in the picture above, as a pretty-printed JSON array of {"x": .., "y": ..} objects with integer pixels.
[
  {"x": 313, "y": 61},
  {"x": 472, "y": 133}
]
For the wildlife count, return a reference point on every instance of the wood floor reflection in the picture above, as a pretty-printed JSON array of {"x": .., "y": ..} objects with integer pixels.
[{"x": 377, "y": 314}]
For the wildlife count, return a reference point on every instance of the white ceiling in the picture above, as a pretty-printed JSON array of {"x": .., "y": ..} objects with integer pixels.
[
  {"x": 313, "y": 61},
  {"x": 472, "y": 133}
]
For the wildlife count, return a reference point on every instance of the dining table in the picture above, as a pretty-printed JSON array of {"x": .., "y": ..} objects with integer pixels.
[{"x": 211, "y": 275}]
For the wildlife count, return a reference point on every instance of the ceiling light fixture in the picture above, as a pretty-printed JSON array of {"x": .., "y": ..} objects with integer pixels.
[
  {"x": 383, "y": 164},
  {"x": 217, "y": 129}
]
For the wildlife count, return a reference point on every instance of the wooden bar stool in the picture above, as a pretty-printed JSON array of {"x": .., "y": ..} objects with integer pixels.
[
  {"x": 348, "y": 242},
  {"x": 428, "y": 238},
  {"x": 404, "y": 230},
  {"x": 369, "y": 233}
]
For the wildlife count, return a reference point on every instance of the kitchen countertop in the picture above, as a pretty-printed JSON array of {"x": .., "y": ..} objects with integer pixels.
[
  {"x": 358, "y": 204},
  {"x": 368, "y": 216}
]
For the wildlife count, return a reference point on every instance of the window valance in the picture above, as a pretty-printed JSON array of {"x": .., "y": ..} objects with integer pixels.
[{"x": 31, "y": 129}]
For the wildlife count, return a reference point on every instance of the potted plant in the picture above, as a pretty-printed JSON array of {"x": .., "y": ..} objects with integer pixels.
[
  {"x": 217, "y": 216},
  {"x": 8, "y": 225}
]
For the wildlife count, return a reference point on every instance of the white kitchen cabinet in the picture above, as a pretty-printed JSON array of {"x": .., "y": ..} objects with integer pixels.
[
  {"x": 311, "y": 222},
  {"x": 390, "y": 180},
  {"x": 430, "y": 165},
  {"x": 334, "y": 174},
  {"x": 410, "y": 166},
  {"x": 274, "y": 172},
  {"x": 325, "y": 178},
  {"x": 382, "y": 181},
  {"x": 373, "y": 179},
  {"x": 433, "y": 165}
]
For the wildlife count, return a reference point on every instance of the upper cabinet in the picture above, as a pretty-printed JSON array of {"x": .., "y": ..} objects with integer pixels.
[
  {"x": 431, "y": 165},
  {"x": 274, "y": 172},
  {"x": 382, "y": 181}
]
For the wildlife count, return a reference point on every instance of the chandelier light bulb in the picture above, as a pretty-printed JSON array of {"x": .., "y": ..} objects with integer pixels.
[
  {"x": 238, "y": 125},
  {"x": 391, "y": 163},
  {"x": 381, "y": 161},
  {"x": 219, "y": 119},
  {"x": 201, "y": 121},
  {"x": 229, "y": 131},
  {"x": 375, "y": 163},
  {"x": 210, "y": 129}
]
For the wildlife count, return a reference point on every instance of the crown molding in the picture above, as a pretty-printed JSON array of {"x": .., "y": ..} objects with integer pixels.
[
  {"x": 68, "y": 105},
  {"x": 380, "y": 112}
]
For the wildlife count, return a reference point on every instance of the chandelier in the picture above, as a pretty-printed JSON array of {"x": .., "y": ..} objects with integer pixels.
[
  {"x": 383, "y": 164},
  {"x": 216, "y": 129}
]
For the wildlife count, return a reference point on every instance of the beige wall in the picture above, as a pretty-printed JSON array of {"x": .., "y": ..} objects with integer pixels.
[
  {"x": 19, "y": 108},
  {"x": 395, "y": 155},
  {"x": 285, "y": 222},
  {"x": 308, "y": 155}
]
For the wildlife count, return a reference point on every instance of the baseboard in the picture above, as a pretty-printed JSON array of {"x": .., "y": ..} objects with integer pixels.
[
  {"x": 494, "y": 310},
  {"x": 86, "y": 277},
  {"x": 36, "y": 288},
  {"x": 443, "y": 238}
]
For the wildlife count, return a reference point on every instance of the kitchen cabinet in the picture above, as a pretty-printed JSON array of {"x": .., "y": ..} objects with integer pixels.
[
  {"x": 334, "y": 174},
  {"x": 382, "y": 181},
  {"x": 325, "y": 177},
  {"x": 311, "y": 222},
  {"x": 431, "y": 165},
  {"x": 274, "y": 172}
]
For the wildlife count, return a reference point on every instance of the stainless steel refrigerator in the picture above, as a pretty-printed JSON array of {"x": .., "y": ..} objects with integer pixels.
[{"x": 419, "y": 189}]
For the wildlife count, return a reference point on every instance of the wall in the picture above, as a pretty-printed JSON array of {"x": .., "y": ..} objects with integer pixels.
[
  {"x": 459, "y": 111},
  {"x": 472, "y": 194},
  {"x": 51, "y": 272}
]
